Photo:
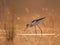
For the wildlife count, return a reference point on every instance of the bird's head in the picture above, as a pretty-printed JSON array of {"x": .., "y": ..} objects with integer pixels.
[{"x": 28, "y": 25}]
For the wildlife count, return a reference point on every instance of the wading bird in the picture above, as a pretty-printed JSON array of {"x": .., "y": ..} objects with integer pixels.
[{"x": 35, "y": 23}]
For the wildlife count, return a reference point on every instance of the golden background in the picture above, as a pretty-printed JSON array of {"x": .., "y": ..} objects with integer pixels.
[{"x": 15, "y": 14}]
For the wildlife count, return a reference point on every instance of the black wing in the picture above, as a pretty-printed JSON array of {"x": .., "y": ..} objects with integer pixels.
[{"x": 39, "y": 19}]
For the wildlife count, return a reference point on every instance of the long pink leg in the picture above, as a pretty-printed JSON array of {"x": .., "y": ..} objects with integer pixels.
[
  {"x": 40, "y": 29},
  {"x": 35, "y": 32}
]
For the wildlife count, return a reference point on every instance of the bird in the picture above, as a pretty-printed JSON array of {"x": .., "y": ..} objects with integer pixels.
[{"x": 35, "y": 23}]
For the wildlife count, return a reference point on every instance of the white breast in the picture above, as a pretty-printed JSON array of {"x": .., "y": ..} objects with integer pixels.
[{"x": 34, "y": 23}]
